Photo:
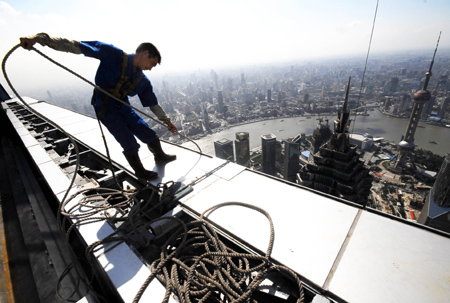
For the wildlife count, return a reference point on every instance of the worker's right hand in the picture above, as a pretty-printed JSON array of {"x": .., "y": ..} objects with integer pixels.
[
  {"x": 28, "y": 42},
  {"x": 171, "y": 127}
]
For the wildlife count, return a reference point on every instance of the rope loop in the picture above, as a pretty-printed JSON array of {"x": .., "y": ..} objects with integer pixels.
[{"x": 197, "y": 266}]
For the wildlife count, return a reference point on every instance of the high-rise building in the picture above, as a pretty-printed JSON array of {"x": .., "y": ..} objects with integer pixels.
[
  {"x": 391, "y": 85},
  {"x": 428, "y": 107},
  {"x": 230, "y": 84},
  {"x": 321, "y": 135},
  {"x": 443, "y": 107},
  {"x": 406, "y": 146},
  {"x": 210, "y": 94},
  {"x": 441, "y": 85},
  {"x": 291, "y": 160},
  {"x": 215, "y": 78},
  {"x": 242, "y": 146},
  {"x": 269, "y": 95},
  {"x": 306, "y": 99},
  {"x": 436, "y": 211},
  {"x": 404, "y": 102},
  {"x": 336, "y": 168},
  {"x": 224, "y": 149},
  {"x": 205, "y": 116},
  {"x": 268, "y": 144},
  {"x": 221, "y": 106},
  {"x": 243, "y": 79}
]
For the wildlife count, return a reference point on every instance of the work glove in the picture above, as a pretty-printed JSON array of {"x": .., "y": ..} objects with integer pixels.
[{"x": 59, "y": 44}]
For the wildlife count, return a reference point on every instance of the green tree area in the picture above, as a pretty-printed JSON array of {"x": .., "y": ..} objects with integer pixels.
[
  {"x": 429, "y": 160},
  {"x": 386, "y": 190}
]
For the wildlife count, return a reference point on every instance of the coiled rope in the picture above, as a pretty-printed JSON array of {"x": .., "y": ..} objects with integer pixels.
[
  {"x": 197, "y": 266},
  {"x": 61, "y": 213},
  {"x": 105, "y": 204},
  {"x": 194, "y": 264}
]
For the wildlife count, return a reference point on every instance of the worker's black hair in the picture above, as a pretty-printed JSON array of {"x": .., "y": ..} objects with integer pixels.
[{"x": 152, "y": 50}]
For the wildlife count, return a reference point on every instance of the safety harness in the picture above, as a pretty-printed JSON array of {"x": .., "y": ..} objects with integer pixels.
[{"x": 129, "y": 88}]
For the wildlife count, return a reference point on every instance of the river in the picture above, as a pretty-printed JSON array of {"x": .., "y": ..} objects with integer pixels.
[{"x": 376, "y": 124}]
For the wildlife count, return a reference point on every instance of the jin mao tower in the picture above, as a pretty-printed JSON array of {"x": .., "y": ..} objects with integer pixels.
[{"x": 336, "y": 168}]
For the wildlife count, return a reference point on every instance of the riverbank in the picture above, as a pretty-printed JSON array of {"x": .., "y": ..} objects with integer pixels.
[
  {"x": 442, "y": 123},
  {"x": 306, "y": 116},
  {"x": 377, "y": 124}
]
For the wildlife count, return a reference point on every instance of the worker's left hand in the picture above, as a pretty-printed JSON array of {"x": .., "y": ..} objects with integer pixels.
[{"x": 171, "y": 127}]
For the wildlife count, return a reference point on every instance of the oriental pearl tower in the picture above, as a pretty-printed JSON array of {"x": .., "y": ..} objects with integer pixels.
[{"x": 406, "y": 146}]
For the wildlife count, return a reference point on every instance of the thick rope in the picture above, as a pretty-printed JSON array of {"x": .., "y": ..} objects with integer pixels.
[
  {"x": 196, "y": 266},
  {"x": 5, "y": 58}
]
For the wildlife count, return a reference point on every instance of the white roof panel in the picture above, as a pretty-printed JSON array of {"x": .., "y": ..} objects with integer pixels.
[
  {"x": 358, "y": 255},
  {"x": 309, "y": 228},
  {"x": 389, "y": 261}
]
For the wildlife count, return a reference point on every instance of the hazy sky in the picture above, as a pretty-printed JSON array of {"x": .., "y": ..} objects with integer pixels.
[{"x": 205, "y": 34}]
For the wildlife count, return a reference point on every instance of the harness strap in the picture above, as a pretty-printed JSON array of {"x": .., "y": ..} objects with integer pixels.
[{"x": 122, "y": 80}]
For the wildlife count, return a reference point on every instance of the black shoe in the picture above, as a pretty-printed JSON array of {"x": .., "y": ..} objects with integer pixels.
[
  {"x": 139, "y": 170},
  {"x": 160, "y": 155}
]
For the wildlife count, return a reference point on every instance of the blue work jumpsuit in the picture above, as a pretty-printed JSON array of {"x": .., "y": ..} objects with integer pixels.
[{"x": 122, "y": 122}]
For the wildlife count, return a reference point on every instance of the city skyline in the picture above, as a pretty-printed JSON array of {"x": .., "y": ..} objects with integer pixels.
[
  {"x": 204, "y": 34},
  {"x": 187, "y": 96}
]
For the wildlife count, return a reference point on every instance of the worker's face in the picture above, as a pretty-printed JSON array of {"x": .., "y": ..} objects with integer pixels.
[{"x": 146, "y": 63}]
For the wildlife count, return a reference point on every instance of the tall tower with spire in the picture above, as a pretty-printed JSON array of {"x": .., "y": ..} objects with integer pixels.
[
  {"x": 405, "y": 158},
  {"x": 336, "y": 168}
]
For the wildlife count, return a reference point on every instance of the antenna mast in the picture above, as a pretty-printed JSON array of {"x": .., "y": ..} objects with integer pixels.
[
  {"x": 406, "y": 146},
  {"x": 428, "y": 75}
]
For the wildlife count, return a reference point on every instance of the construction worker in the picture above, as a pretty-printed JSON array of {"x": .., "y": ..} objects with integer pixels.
[{"x": 120, "y": 74}]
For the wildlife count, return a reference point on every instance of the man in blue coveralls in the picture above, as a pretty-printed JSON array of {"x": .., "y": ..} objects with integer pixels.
[{"x": 121, "y": 75}]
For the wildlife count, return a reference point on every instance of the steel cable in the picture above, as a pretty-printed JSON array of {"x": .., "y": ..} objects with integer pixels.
[{"x": 365, "y": 65}]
